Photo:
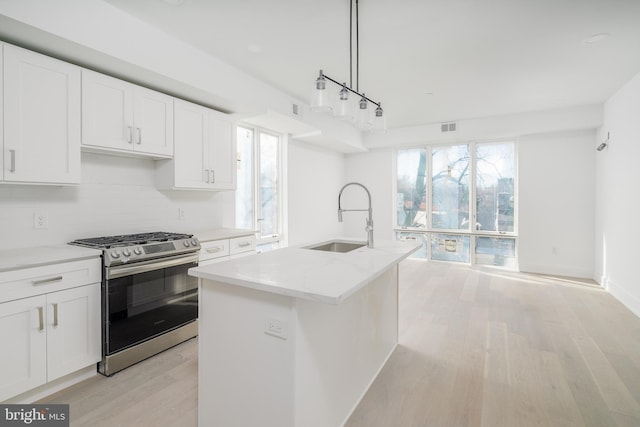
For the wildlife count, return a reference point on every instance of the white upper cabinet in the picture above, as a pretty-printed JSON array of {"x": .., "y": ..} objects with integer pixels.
[
  {"x": 192, "y": 134},
  {"x": 204, "y": 151},
  {"x": 222, "y": 151},
  {"x": 41, "y": 116},
  {"x": 123, "y": 118}
]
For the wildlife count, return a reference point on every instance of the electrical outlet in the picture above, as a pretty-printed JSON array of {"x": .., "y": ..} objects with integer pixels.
[
  {"x": 180, "y": 214},
  {"x": 276, "y": 328},
  {"x": 40, "y": 220}
]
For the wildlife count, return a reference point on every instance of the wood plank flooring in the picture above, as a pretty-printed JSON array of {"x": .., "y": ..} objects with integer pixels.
[{"x": 478, "y": 347}]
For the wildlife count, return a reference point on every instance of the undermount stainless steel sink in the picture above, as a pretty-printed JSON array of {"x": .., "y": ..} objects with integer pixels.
[{"x": 337, "y": 246}]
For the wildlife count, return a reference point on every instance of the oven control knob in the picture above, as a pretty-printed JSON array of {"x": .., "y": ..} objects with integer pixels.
[
  {"x": 126, "y": 253},
  {"x": 137, "y": 251},
  {"x": 194, "y": 243},
  {"x": 115, "y": 254}
]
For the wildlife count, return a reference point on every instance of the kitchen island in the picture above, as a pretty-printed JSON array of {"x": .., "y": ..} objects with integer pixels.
[{"x": 295, "y": 337}]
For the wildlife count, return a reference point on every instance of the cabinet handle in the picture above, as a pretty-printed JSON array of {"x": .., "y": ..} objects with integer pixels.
[
  {"x": 49, "y": 280},
  {"x": 206, "y": 174},
  {"x": 213, "y": 176},
  {"x": 12, "y": 168},
  {"x": 55, "y": 314},
  {"x": 139, "y": 135},
  {"x": 214, "y": 250},
  {"x": 244, "y": 244},
  {"x": 41, "y": 318},
  {"x": 129, "y": 134}
]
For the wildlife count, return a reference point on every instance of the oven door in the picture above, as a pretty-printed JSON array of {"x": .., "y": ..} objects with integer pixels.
[{"x": 146, "y": 299}]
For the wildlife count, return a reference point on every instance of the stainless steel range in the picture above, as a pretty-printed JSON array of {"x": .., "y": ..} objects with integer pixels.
[{"x": 149, "y": 302}]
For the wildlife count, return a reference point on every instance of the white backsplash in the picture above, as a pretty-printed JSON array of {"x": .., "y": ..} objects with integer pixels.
[{"x": 117, "y": 196}]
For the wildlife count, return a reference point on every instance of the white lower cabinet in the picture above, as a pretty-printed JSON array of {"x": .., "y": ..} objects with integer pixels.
[
  {"x": 48, "y": 336},
  {"x": 23, "y": 360},
  {"x": 73, "y": 330},
  {"x": 223, "y": 249}
]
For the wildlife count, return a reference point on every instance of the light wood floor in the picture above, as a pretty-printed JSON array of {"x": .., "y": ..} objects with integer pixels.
[{"x": 477, "y": 348}]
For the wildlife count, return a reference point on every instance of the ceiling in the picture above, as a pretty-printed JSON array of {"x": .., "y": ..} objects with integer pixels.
[{"x": 427, "y": 61}]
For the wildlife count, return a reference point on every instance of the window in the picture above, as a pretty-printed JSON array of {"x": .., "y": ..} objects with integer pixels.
[
  {"x": 469, "y": 191},
  {"x": 411, "y": 188},
  {"x": 495, "y": 193},
  {"x": 258, "y": 194},
  {"x": 450, "y": 188}
]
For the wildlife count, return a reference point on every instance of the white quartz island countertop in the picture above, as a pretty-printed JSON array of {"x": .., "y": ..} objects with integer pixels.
[{"x": 328, "y": 277}]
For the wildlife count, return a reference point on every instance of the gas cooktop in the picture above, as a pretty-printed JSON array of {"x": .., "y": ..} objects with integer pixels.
[
  {"x": 108, "y": 242},
  {"x": 131, "y": 248}
]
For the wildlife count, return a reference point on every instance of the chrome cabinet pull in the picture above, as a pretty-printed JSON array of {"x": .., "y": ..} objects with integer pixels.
[
  {"x": 55, "y": 314},
  {"x": 213, "y": 176},
  {"x": 41, "y": 318},
  {"x": 129, "y": 134},
  {"x": 244, "y": 244},
  {"x": 139, "y": 135},
  {"x": 214, "y": 250},
  {"x": 49, "y": 280},
  {"x": 12, "y": 168}
]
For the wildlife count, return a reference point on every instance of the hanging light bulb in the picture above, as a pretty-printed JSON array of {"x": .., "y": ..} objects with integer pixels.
[
  {"x": 379, "y": 121},
  {"x": 344, "y": 110},
  {"x": 364, "y": 116},
  {"x": 319, "y": 97}
]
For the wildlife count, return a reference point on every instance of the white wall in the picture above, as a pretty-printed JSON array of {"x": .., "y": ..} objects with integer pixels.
[
  {"x": 374, "y": 170},
  {"x": 557, "y": 203},
  {"x": 315, "y": 176},
  {"x": 117, "y": 196},
  {"x": 618, "y": 198}
]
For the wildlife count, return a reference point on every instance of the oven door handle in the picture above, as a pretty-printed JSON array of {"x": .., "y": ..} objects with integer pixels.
[{"x": 146, "y": 266}]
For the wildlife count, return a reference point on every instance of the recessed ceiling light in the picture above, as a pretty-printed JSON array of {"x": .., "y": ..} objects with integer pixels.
[
  {"x": 596, "y": 38},
  {"x": 254, "y": 48},
  {"x": 175, "y": 2}
]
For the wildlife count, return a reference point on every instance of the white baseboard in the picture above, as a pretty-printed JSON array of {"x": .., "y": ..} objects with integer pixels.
[
  {"x": 631, "y": 301},
  {"x": 558, "y": 270},
  {"x": 55, "y": 386}
]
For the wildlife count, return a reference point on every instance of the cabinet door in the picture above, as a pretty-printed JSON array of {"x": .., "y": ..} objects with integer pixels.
[
  {"x": 41, "y": 118},
  {"x": 24, "y": 346},
  {"x": 191, "y": 136},
  {"x": 153, "y": 119},
  {"x": 107, "y": 112},
  {"x": 73, "y": 330},
  {"x": 2, "y": 165},
  {"x": 222, "y": 152}
]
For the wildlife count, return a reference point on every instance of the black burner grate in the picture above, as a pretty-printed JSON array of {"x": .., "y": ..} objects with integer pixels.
[{"x": 129, "y": 239}]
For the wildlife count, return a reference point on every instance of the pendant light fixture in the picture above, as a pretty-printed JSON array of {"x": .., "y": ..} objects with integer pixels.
[{"x": 368, "y": 114}]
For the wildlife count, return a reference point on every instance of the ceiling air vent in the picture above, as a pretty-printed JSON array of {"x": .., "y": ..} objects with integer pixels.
[
  {"x": 295, "y": 109},
  {"x": 448, "y": 127}
]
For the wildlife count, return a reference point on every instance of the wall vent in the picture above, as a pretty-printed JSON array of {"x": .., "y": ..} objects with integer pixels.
[
  {"x": 448, "y": 127},
  {"x": 295, "y": 109}
]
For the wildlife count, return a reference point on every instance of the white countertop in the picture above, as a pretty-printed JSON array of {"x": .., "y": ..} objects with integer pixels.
[
  {"x": 222, "y": 233},
  {"x": 310, "y": 274},
  {"x": 15, "y": 259}
]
